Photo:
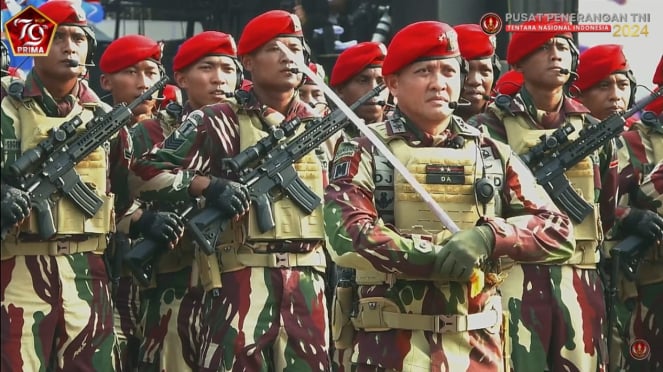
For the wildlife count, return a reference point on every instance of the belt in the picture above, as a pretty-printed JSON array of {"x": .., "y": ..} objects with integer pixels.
[
  {"x": 368, "y": 277},
  {"x": 232, "y": 259},
  {"x": 375, "y": 315},
  {"x": 59, "y": 247}
]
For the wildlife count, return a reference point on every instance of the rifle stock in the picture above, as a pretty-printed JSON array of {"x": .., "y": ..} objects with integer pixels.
[
  {"x": 54, "y": 171},
  {"x": 549, "y": 168}
]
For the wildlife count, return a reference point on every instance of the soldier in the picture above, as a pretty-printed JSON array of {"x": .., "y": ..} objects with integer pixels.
[
  {"x": 270, "y": 312},
  {"x": 639, "y": 315},
  {"x": 56, "y": 306},
  {"x": 478, "y": 49},
  {"x": 416, "y": 307},
  {"x": 570, "y": 332},
  {"x": 206, "y": 67},
  {"x": 358, "y": 70},
  {"x": 129, "y": 66}
]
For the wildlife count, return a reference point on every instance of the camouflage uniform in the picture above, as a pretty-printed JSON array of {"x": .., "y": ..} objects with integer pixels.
[
  {"x": 366, "y": 200},
  {"x": 640, "y": 150},
  {"x": 126, "y": 301},
  {"x": 171, "y": 306},
  {"x": 571, "y": 331},
  {"x": 170, "y": 309},
  {"x": 263, "y": 314},
  {"x": 56, "y": 306}
]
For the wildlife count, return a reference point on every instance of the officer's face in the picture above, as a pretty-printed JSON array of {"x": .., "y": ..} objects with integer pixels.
[
  {"x": 424, "y": 90},
  {"x": 477, "y": 86},
  {"x": 208, "y": 80},
  {"x": 358, "y": 86},
  {"x": 542, "y": 67},
  {"x": 608, "y": 96},
  {"x": 128, "y": 84},
  {"x": 270, "y": 67},
  {"x": 69, "y": 44}
]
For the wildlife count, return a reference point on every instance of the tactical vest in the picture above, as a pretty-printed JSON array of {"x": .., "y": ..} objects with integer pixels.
[
  {"x": 448, "y": 174},
  {"x": 521, "y": 137},
  {"x": 291, "y": 222},
  {"x": 33, "y": 126},
  {"x": 243, "y": 245}
]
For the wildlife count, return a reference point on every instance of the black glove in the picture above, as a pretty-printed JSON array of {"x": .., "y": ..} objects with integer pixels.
[
  {"x": 230, "y": 197},
  {"x": 644, "y": 223},
  {"x": 164, "y": 227},
  {"x": 460, "y": 254},
  {"x": 15, "y": 205}
]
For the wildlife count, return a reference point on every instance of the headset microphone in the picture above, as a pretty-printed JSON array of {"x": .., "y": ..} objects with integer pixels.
[
  {"x": 564, "y": 71},
  {"x": 294, "y": 70},
  {"x": 456, "y": 104},
  {"x": 74, "y": 63}
]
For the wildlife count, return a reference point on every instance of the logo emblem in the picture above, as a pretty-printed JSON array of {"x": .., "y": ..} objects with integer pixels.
[
  {"x": 491, "y": 23},
  {"x": 30, "y": 33},
  {"x": 639, "y": 349}
]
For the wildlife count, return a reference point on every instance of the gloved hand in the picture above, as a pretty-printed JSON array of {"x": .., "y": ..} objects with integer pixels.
[
  {"x": 644, "y": 223},
  {"x": 460, "y": 254},
  {"x": 164, "y": 227},
  {"x": 232, "y": 198},
  {"x": 15, "y": 205}
]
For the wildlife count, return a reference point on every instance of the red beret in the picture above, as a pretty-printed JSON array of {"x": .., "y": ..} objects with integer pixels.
[
  {"x": 474, "y": 43},
  {"x": 598, "y": 62},
  {"x": 426, "y": 39},
  {"x": 658, "y": 74},
  {"x": 525, "y": 42},
  {"x": 171, "y": 94},
  {"x": 266, "y": 27},
  {"x": 509, "y": 83},
  {"x": 206, "y": 43},
  {"x": 127, "y": 51},
  {"x": 655, "y": 106},
  {"x": 64, "y": 12},
  {"x": 355, "y": 59},
  {"x": 318, "y": 70}
]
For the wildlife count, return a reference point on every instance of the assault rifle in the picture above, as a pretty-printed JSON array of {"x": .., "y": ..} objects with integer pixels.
[
  {"x": 49, "y": 167},
  {"x": 554, "y": 155},
  {"x": 275, "y": 171}
]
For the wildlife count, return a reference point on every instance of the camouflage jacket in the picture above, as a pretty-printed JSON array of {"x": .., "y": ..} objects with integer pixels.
[
  {"x": 354, "y": 227},
  {"x": 639, "y": 151},
  {"x": 651, "y": 190},
  {"x": 605, "y": 163},
  {"x": 529, "y": 229}
]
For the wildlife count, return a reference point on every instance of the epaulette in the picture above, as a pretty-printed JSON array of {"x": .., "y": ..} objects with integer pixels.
[{"x": 465, "y": 129}]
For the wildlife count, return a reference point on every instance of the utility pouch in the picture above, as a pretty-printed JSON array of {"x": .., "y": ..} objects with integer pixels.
[{"x": 342, "y": 329}]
